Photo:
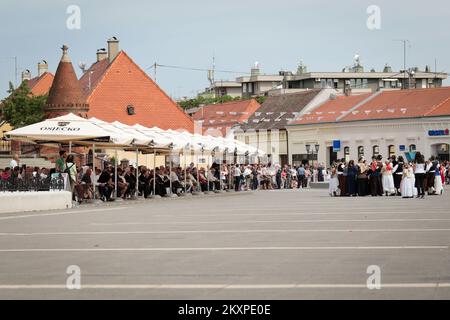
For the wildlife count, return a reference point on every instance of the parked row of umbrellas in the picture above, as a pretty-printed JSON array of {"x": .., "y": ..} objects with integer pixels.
[{"x": 73, "y": 129}]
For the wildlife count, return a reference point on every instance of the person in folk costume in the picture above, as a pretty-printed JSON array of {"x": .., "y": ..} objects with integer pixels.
[
  {"x": 374, "y": 178},
  {"x": 342, "y": 177},
  {"x": 362, "y": 181},
  {"x": 333, "y": 185},
  {"x": 439, "y": 189},
  {"x": 431, "y": 169},
  {"x": 352, "y": 173},
  {"x": 388, "y": 179},
  {"x": 407, "y": 183},
  {"x": 398, "y": 172}
]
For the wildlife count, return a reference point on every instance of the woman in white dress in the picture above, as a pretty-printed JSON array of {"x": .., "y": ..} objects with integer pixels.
[
  {"x": 438, "y": 180},
  {"x": 408, "y": 181},
  {"x": 388, "y": 179},
  {"x": 333, "y": 185}
]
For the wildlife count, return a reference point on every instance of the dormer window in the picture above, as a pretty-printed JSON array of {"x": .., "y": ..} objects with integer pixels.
[{"x": 130, "y": 110}]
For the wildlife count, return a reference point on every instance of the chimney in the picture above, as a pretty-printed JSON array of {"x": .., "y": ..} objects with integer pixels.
[
  {"x": 113, "y": 48},
  {"x": 42, "y": 67},
  {"x": 101, "y": 54},
  {"x": 255, "y": 70},
  {"x": 387, "y": 69},
  {"x": 26, "y": 75}
]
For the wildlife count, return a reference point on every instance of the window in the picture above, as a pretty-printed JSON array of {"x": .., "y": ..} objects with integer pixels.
[
  {"x": 375, "y": 151},
  {"x": 336, "y": 83},
  {"x": 247, "y": 140},
  {"x": 412, "y": 148},
  {"x": 360, "y": 152},
  {"x": 130, "y": 110},
  {"x": 329, "y": 83},
  {"x": 365, "y": 83},
  {"x": 347, "y": 154},
  {"x": 391, "y": 150},
  {"x": 358, "y": 83}
]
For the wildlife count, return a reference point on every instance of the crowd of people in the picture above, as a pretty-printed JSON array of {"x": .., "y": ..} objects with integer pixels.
[
  {"x": 389, "y": 177},
  {"x": 378, "y": 177}
]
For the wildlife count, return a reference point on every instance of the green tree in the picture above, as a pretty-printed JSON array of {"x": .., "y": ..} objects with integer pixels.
[
  {"x": 21, "y": 107},
  {"x": 202, "y": 100}
]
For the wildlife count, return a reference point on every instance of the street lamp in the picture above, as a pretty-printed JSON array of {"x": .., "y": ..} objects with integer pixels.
[{"x": 312, "y": 152}]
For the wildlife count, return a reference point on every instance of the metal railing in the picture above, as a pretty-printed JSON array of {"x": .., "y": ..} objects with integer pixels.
[
  {"x": 5, "y": 147},
  {"x": 15, "y": 184}
]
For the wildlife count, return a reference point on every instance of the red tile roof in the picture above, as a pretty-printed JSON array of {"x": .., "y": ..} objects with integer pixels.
[
  {"x": 225, "y": 115},
  {"x": 402, "y": 104},
  {"x": 331, "y": 110},
  {"x": 40, "y": 86},
  {"x": 414, "y": 103},
  {"x": 122, "y": 83}
]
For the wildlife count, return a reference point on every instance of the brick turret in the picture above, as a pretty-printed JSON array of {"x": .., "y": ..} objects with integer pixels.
[{"x": 66, "y": 95}]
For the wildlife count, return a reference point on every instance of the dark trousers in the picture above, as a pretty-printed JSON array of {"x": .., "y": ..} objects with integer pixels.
[
  {"x": 105, "y": 191},
  {"x": 237, "y": 183},
  {"x": 342, "y": 184},
  {"x": 375, "y": 186},
  {"x": 301, "y": 180},
  {"x": 362, "y": 186},
  {"x": 420, "y": 183},
  {"x": 429, "y": 181}
]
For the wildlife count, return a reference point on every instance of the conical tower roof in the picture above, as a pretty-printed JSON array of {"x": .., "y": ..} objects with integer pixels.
[{"x": 65, "y": 95}]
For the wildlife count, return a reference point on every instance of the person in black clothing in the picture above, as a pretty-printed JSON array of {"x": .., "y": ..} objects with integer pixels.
[
  {"x": 320, "y": 170},
  {"x": 352, "y": 173},
  {"x": 431, "y": 168},
  {"x": 106, "y": 186},
  {"x": 144, "y": 183},
  {"x": 342, "y": 178},
  {"x": 374, "y": 172},
  {"x": 160, "y": 189},
  {"x": 130, "y": 178},
  {"x": 398, "y": 173},
  {"x": 420, "y": 174},
  {"x": 278, "y": 178}
]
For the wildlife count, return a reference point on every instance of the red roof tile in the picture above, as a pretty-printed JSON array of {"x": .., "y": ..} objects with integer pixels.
[
  {"x": 225, "y": 115},
  {"x": 122, "y": 84},
  {"x": 40, "y": 86},
  {"x": 402, "y": 104},
  {"x": 331, "y": 110}
]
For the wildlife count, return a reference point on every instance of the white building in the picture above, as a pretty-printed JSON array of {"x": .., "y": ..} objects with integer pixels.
[{"x": 386, "y": 123}]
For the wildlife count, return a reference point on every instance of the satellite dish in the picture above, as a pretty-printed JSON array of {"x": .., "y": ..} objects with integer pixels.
[{"x": 82, "y": 65}]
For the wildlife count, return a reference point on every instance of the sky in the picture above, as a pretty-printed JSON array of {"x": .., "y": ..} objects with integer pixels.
[{"x": 325, "y": 35}]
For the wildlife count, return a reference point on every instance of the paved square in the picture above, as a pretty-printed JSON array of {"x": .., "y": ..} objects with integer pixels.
[{"x": 261, "y": 245}]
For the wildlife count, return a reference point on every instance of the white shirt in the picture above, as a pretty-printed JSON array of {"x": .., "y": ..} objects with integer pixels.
[
  {"x": 237, "y": 172},
  {"x": 420, "y": 168},
  {"x": 13, "y": 164},
  {"x": 173, "y": 176}
]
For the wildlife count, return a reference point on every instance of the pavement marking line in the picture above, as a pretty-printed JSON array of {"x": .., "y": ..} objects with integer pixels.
[
  {"x": 224, "y": 249},
  {"x": 228, "y": 213},
  {"x": 36, "y": 215},
  {"x": 223, "y": 286},
  {"x": 78, "y": 233},
  {"x": 263, "y": 221}
]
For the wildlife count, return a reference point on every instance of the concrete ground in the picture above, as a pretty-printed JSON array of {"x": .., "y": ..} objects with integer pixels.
[{"x": 262, "y": 245}]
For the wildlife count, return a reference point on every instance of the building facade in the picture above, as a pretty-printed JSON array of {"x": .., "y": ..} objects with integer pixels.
[{"x": 384, "y": 123}]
